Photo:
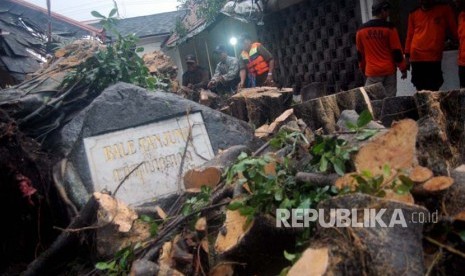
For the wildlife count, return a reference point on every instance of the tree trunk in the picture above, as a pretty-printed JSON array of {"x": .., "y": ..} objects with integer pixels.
[
  {"x": 392, "y": 250},
  {"x": 441, "y": 139},
  {"x": 209, "y": 174},
  {"x": 260, "y": 105},
  {"x": 325, "y": 111}
]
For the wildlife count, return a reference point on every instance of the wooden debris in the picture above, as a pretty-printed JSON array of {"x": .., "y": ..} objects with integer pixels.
[
  {"x": 433, "y": 186},
  {"x": 317, "y": 179},
  {"x": 209, "y": 98},
  {"x": 201, "y": 225},
  {"x": 65, "y": 240},
  {"x": 118, "y": 226},
  {"x": 440, "y": 142},
  {"x": 324, "y": 112},
  {"x": 222, "y": 269},
  {"x": 239, "y": 241},
  {"x": 373, "y": 250},
  {"x": 314, "y": 262},
  {"x": 209, "y": 174},
  {"x": 260, "y": 105},
  {"x": 454, "y": 199},
  {"x": 420, "y": 174},
  {"x": 406, "y": 198},
  {"x": 395, "y": 148}
]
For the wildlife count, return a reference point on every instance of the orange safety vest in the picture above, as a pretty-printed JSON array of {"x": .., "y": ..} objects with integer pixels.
[{"x": 256, "y": 64}]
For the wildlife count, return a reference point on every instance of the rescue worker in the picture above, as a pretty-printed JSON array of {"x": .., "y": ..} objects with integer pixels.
[
  {"x": 379, "y": 49},
  {"x": 256, "y": 64},
  {"x": 461, "y": 35},
  {"x": 226, "y": 75},
  {"x": 195, "y": 77},
  {"x": 426, "y": 35}
]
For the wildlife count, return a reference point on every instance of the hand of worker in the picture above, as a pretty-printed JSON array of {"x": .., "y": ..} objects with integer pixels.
[
  {"x": 404, "y": 75},
  {"x": 240, "y": 86},
  {"x": 269, "y": 80},
  {"x": 211, "y": 84}
]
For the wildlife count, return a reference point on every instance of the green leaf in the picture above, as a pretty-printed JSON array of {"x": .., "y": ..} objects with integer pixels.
[
  {"x": 97, "y": 14},
  {"x": 351, "y": 126},
  {"x": 339, "y": 166},
  {"x": 235, "y": 205},
  {"x": 462, "y": 235},
  {"x": 242, "y": 156},
  {"x": 323, "y": 164},
  {"x": 402, "y": 189},
  {"x": 102, "y": 266},
  {"x": 146, "y": 218},
  {"x": 153, "y": 229},
  {"x": 139, "y": 49},
  {"x": 364, "y": 118},
  {"x": 406, "y": 181},
  {"x": 112, "y": 12},
  {"x": 289, "y": 256},
  {"x": 366, "y": 133},
  {"x": 278, "y": 195},
  {"x": 247, "y": 211},
  {"x": 386, "y": 170}
]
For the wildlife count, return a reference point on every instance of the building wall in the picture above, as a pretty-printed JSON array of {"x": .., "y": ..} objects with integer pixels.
[
  {"x": 314, "y": 41},
  {"x": 151, "y": 44}
]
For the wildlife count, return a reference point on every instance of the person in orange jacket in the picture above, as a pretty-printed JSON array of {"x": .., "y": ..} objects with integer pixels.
[
  {"x": 379, "y": 49},
  {"x": 256, "y": 64},
  {"x": 426, "y": 35},
  {"x": 461, "y": 34}
]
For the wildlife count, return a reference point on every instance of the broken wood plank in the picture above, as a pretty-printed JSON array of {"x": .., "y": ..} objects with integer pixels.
[{"x": 209, "y": 174}]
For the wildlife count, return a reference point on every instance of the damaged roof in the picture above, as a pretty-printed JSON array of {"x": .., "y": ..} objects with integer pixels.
[
  {"x": 22, "y": 39},
  {"x": 149, "y": 25},
  {"x": 38, "y": 16}
]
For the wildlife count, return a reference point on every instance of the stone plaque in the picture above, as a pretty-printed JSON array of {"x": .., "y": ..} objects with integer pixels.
[{"x": 154, "y": 152}]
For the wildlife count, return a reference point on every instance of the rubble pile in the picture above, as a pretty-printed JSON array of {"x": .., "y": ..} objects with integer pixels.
[{"x": 379, "y": 185}]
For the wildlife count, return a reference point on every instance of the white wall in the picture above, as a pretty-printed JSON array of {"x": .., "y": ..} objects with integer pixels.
[
  {"x": 449, "y": 73},
  {"x": 151, "y": 44}
]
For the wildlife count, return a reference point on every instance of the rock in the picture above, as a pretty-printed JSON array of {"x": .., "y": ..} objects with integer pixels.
[
  {"x": 352, "y": 117},
  {"x": 120, "y": 129}
]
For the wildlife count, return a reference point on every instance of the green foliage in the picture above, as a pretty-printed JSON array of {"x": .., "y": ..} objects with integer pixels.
[
  {"x": 331, "y": 154},
  {"x": 118, "y": 62},
  {"x": 197, "y": 202},
  {"x": 360, "y": 127},
  {"x": 267, "y": 192},
  {"x": 375, "y": 185},
  {"x": 285, "y": 137},
  {"x": 153, "y": 225},
  {"x": 180, "y": 29},
  {"x": 206, "y": 9},
  {"x": 120, "y": 264}
]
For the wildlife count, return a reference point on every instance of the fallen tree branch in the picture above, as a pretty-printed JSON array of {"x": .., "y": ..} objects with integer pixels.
[
  {"x": 446, "y": 247},
  {"x": 85, "y": 218}
]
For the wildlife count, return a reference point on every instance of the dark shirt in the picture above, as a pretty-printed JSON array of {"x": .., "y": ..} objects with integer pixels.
[{"x": 198, "y": 78}]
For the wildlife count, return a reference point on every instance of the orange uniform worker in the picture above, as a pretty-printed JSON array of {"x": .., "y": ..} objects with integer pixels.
[
  {"x": 256, "y": 65},
  {"x": 461, "y": 33},
  {"x": 427, "y": 27},
  {"x": 379, "y": 49}
]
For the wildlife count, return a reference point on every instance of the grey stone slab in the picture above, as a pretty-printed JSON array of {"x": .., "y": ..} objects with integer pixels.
[{"x": 124, "y": 108}]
